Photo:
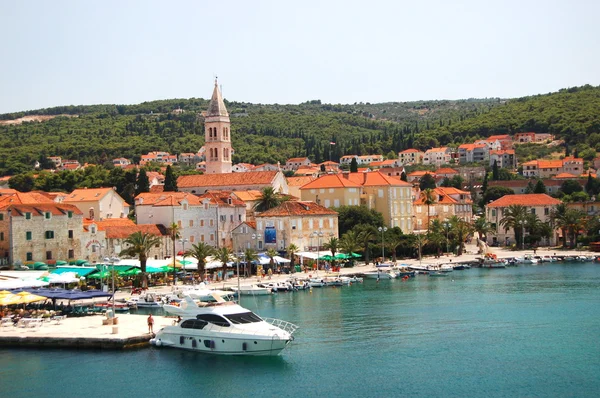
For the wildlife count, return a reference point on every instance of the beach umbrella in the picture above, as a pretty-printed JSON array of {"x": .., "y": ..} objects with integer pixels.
[
  {"x": 26, "y": 297},
  {"x": 81, "y": 262},
  {"x": 355, "y": 255},
  {"x": 341, "y": 256},
  {"x": 9, "y": 299},
  {"x": 327, "y": 257},
  {"x": 61, "y": 262}
]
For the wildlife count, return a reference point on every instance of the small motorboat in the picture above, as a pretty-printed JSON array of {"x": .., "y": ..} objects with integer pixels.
[
  {"x": 146, "y": 300},
  {"x": 437, "y": 273},
  {"x": 253, "y": 290},
  {"x": 380, "y": 274}
]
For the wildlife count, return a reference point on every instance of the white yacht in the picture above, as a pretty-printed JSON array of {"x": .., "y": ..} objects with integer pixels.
[
  {"x": 225, "y": 328},
  {"x": 380, "y": 274},
  {"x": 253, "y": 290},
  {"x": 147, "y": 300}
]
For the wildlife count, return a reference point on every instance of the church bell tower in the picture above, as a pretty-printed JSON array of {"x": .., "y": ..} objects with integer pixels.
[{"x": 217, "y": 145}]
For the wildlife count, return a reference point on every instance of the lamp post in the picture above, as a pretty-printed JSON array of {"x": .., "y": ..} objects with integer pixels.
[
  {"x": 183, "y": 242},
  {"x": 112, "y": 262},
  {"x": 447, "y": 228},
  {"x": 382, "y": 230},
  {"x": 522, "y": 223},
  {"x": 255, "y": 238},
  {"x": 317, "y": 235}
]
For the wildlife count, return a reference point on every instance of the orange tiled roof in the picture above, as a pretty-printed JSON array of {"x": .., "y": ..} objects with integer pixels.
[
  {"x": 565, "y": 176},
  {"x": 108, "y": 222},
  {"x": 227, "y": 179},
  {"x": 222, "y": 199},
  {"x": 499, "y": 137},
  {"x": 446, "y": 170},
  {"x": 39, "y": 209},
  {"x": 468, "y": 147},
  {"x": 329, "y": 163},
  {"x": 165, "y": 199},
  {"x": 248, "y": 196},
  {"x": 291, "y": 160},
  {"x": 331, "y": 181},
  {"x": 290, "y": 208},
  {"x": 420, "y": 173},
  {"x": 411, "y": 150},
  {"x": 8, "y": 191},
  {"x": 122, "y": 232},
  {"x": 440, "y": 149},
  {"x": 532, "y": 199},
  {"x": 87, "y": 195},
  {"x": 550, "y": 164},
  {"x": 504, "y": 151},
  {"x": 24, "y": 198},
  {"x": 453, "y": 191},
  {"x": 440, "y": 198},
  {"x": 298, "y": 181},
  {"x": 157, "y": 188},
  {"x": 376, "y": 178}
]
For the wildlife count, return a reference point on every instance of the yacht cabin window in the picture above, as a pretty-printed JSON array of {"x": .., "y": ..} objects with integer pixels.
[{"x": 214, "y": 319}]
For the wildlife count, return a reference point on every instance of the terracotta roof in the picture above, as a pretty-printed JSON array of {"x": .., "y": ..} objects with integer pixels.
[
  {"x": 223, "y": 199},
  {"x": 330, "y": 181},
  {"x": 216, "y": 107},
  {"x": 119, "y": 232},
  {"x": 565, "y": 176},
  {"x": 440, "y": 198},
  {"x": 453, "y": 191},
  {"x": 22, "y": 198},
  {"x": 468, "y": 147},
  {"x": 329, "y": 163},
  {"x": 550, "y": 164},
  {"x": 87, "y": 195},
  {"x": 296, "y": 160},
  {"x": 420, "y": 173},
  {"x": 499, "y": 137},
  {"x": 572, "y": 159},
  {"x": 7, "y": 191},
  {"x": 533, "y": 199},
  {"x": 531, "y": 163},
  {"x": 376, "y": 178},
  {"x": 434, "y": 150},
  {"x": 289, "y": 208},
  {"x": 227, "y": 179},
  {"x": 248, "y": 196},
  {"x": 503, "y": 152},
  {"x": 39, "y": 209},
  {"x": 157, "y": 188},
  {"x": 298, "y": 181},
  {"x": 165, "y": 199},
  {"x": 108, "y": 222},
  {"x": 446, "y": 170},
  {"x": 307, "y": 171},
  {"x": 411, "y": 150}
]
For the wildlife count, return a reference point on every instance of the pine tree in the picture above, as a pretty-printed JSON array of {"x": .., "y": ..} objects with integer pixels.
[
  {"x": 142, "y": 183},
  {"x": 484, "y": 186},
  {"x": 567, "y": 150},
  {"x": 403, "y": 176},
  {"x": 170, "y": 180},
  {"x": 353, "y": 166},
  {"x": 539, "y": 187}
]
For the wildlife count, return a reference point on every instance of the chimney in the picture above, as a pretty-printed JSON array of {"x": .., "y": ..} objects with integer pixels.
[{"x": 345, "y": 175}]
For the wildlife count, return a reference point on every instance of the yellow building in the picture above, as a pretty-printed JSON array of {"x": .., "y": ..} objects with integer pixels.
[{"x": 332, "y": 190}]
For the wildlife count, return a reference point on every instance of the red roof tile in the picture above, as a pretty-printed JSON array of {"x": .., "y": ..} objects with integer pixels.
[
  {"x": 290, "y": 208},
  {"x": 299, "y": 181},
  {"x": 376, "y": 178},
  {"x": 533, "y": 199},
  {"x": 331, "y": 181},
  {"x": 227, "y": 179},
  {"x": 446, "y": 170},
  {"x": 87, "y": 195},
  {"x": 119, "y": 232},
  {"x": 165, "y": 199}
]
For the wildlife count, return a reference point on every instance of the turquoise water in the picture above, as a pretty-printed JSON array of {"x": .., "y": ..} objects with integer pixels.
[{"x": 527, "y": 331}]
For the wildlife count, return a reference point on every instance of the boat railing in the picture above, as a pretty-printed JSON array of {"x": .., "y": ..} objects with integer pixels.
[{"x": 283, "y": 325}]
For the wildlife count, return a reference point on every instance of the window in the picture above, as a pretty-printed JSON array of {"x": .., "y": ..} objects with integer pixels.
[
  {"x": 194, "y": 324},
  {"x": 192, "y": 239},
  {"x": 29, "y": 256},
  {"x": 211, "y": 223},
  {"x": 380, "y": 193},
  {"x": 532, "y": 211},
  {"x": 70, "y": 234},
  {"x": 223, "y": 218},
  {"x": 546, "y": 211},
  {"x": 212, "y": 237},
  {"x": 93, "y": 229},
  {"x": 201, "y": 223},
  {"x": 49, "y": 234},
  {"x": 179, "y": 224},
  {"x": 71, "y": 253},
  {"x": 70, "y": 214},
  {"x": 336, "y": 203},
  {"x": 191, "y": 223},
  {"x": 28, "y": 216},
  {"x": 493, "y": 212},
  {"x": 1, "y": 235},
  {"x": 47, "y": 215},
  {"x": 28, "y": 235},
  {"x": 48, "y": 255},
  {"x": 201, "y": 238},
  {"x": 1, "y": 217},
  {"x": 244, "y": 317}
]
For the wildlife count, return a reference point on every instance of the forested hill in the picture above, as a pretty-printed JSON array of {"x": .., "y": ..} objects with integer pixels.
[{"x": 272, "y": 133}]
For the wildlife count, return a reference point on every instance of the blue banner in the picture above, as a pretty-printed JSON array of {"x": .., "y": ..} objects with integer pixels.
[{"x": 270, "y": 235}]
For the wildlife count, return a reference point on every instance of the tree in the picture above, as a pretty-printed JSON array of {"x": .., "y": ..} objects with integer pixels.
[
  {"x": 403, "y": 176},
  {"x": 353, "y": 166},
  {"x": 223, "y": 255},
  {"x": 484, "y": 186},
  {"x": 483, "y": 228},
  {"x": 139, "y": 244},
  {"x": 142, "y": 183},
  {"x": 559, "y": 218},
  {"x": 592, "y": 186},
  {"x": 333, "y": 245},
  {"x": 268, "y": 199},
  {"x": 200, "y": 252},
  {"x": 427, "y": 182},
  {"x": 271, "y": 253},
  {"x": 350, "y": 216},
  {"x": 495, "y": 174},
  {"x": 539, "y": 187},
  {"x": 174, "y": 235},
  {"x": 394, "y": 239},
  {"x": 460, "y": 230},
  {"x": 495, "y": 193},
  {"x": 515, "y": 217},
  {"x": 292, "y": 249},
  {"x": 250, "y": 255},
  {"x": 570, "y": 186},
  {"x": 428, "y": 200},
  {"x": 436, "y": 236},
  {"x": 570, "y": 221},
  {"x": 365, "y": 234},
  {"x": 170, "y": 180},
  {"x": 349, "y": 244}
]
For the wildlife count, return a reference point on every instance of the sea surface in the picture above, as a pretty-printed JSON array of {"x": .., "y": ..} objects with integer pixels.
[{"x": 529, "y": 331}]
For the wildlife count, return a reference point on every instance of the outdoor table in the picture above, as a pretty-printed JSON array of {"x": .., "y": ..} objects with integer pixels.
[
  {"x": 30, "y": 322},
  {"x": 7, "y": 322}
]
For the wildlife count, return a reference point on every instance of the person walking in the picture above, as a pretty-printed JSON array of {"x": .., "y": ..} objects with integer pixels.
[{"x": 150, "y": 324}]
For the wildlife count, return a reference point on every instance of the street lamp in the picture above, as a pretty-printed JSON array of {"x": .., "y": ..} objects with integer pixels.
[
  {"x": 382, "y": 230},
  {"x": 183, "y": 242},
  {"x": 255, "y": 237},
  {"x": 522, "y": 223},
  {"x": 447, "y": 227}
]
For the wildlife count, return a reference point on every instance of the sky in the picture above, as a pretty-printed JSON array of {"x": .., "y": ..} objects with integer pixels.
[{"x": 287, "y": 52}]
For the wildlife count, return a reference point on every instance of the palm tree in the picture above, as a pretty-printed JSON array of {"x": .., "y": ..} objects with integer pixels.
[
  {"x": 366, "y": 234},
  {"x": 333, "y": 245},
  {"x": 436, "y": 235},
  {"x": 483, "y": 228},
  {"x": 271, "y": 253},
  {"x": 574, "y": 220},
  {"x": 139, "y": 245},
  {"x": 174, "y": 235},
  {"x": 249, "y": 255},
  {"x": 200, "y": 251},
  {"x": 558, "y": 217},
  {"x": 292, "y": 249},
  {"x": 460, "y": 230},
  {"x": 268, "y": 199},
  {"x": 350, "y": 244},
  {"x": 428, "y": 200},
  {"x": 393, "y": 242},
  {"x": 224, "y": 255},
  {"x": 515, "y": 217}
]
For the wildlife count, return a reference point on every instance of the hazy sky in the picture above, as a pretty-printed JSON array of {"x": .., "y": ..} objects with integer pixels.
[{"x": 89, "y": 52}]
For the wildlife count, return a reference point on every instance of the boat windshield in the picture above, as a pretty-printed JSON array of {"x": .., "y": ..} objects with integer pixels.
[
  {"x": 214, "y": 319},
  {"x": 244, "y": 317}
]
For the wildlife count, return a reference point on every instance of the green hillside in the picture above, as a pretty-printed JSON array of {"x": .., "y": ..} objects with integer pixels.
[{"x": 273, "y": 133}]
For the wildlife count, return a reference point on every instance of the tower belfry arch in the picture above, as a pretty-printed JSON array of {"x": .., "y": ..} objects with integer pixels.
[{"x": 217, "y": 135}]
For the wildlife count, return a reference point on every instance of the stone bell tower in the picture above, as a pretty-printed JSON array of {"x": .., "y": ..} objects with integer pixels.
[{"x": 217, "y": 136}]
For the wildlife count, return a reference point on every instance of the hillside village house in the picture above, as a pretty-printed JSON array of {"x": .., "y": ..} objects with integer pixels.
[
  {"x": 294, "y": 184},
  {"x": 294, "y": 222},
  {"x": 189, "y": 158},
  {"x": 415, "y": 176},
  {"x": 294, "y": 163},
  {"x": 411, "y": 156},
  {"x": 34, "y": 228},
  {"x": 448, "y": 202},
  {"x": 245, "y": 237},
  {"x": 503, "y": 141},
  {"x": 437, "y": 156},
  {"x": 531, "y": 137},
  {"x": 386, "y": 163},
  {"x": 121, "y": 162},
  {"x": 520, "y": 186},
  {"x": 361, "y": 160},
  {"x": 549, "y": 168},
  {"x": 504, "y": 158},
  {"x": 469, "y": 153},
  {"x": 446, "y": 172},
  {"x": 255, "y": 180},
  {"x": 158, "y": 157},
  {"x": 266, "y": 167},
  {"x": 539, "y": 204},
  {"x": 332, "y": 190},
  {"x": 98, "y": 203},
  {"x": 241, "y": 167},
  {"x": 330, "y": 167}
]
